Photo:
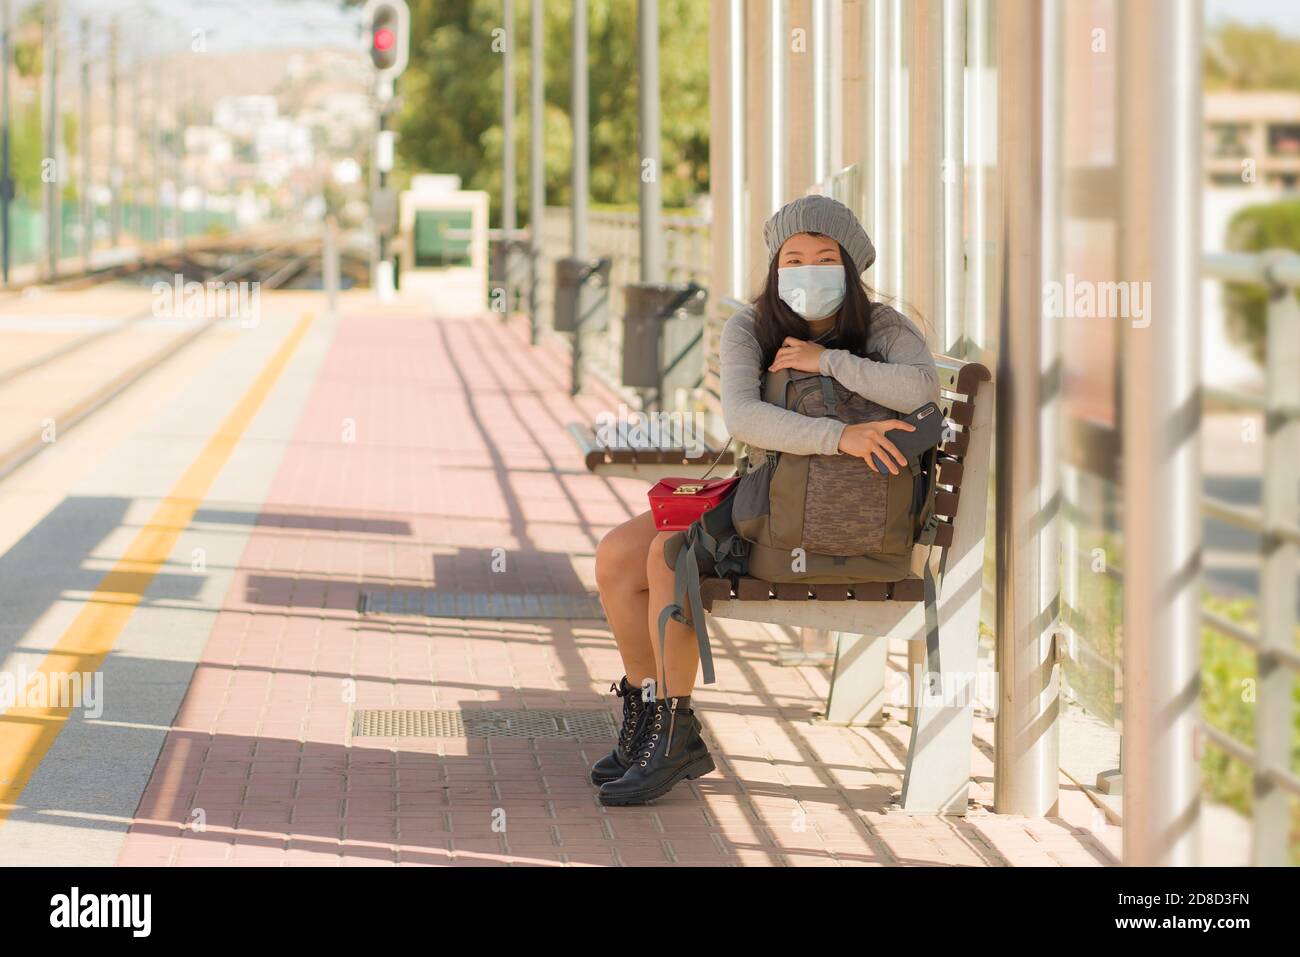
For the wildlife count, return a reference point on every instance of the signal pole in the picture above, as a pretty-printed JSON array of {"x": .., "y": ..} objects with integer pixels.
[{"x": 389, "y": 22}]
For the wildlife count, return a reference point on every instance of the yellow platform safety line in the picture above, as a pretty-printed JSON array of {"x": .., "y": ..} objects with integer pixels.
[{"x": 26, "y": 734}]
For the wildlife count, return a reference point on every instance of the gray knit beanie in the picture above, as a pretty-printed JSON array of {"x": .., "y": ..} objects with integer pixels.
[{"x": 820, "y": 214}]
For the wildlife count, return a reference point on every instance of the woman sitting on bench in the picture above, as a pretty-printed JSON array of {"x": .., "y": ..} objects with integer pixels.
[{"x": 813, "y": 315}]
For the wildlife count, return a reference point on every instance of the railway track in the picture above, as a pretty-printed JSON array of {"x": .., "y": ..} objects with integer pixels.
[
  {"x": 272, "y": 268},
  {"x": 284, "y": 262}
]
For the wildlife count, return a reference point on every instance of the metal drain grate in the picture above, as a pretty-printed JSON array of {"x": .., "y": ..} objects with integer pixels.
[
  {"x": 454, "y": 723},
  {"x": 445, "y": 604}
]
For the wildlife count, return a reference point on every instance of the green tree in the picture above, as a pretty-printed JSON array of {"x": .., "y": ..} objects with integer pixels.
[
  {"x": 450, "y": 119},
  {"x": 1256, "y": 229},
  {"x": 1239, "y": 57}
]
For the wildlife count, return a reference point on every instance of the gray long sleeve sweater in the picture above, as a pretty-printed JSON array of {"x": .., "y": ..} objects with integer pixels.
[{"x": 905, "y": 381}]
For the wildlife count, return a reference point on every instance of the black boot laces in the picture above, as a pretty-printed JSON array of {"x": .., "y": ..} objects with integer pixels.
[
  {"x": 634, "y": 711},
  {"x": 650, "y": 740}
]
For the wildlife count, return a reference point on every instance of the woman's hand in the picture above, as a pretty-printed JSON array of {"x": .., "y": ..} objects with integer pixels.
[
  {"x": 799, "y": 355},
  {"x": 869, "y": 437}
]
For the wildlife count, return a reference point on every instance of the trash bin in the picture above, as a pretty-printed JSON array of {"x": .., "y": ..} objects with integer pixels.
[
  {"x": 582, "y": 291},
  {"x": 663, "y": 336}
]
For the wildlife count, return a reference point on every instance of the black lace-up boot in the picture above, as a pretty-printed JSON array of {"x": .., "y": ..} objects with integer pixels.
[
  {"x": 612, "y": 766},
  {"x": 670, "y": 750}
]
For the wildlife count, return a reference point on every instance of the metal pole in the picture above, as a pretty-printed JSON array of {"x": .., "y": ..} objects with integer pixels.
[
  {"x": 1277, "y": 582},
  {"x": 951, "y": 168},
  {"x": 177, "y": 152},
  {"x": 330, "y": 265},
  {"x": 155, "y": 162},
  {"x": 6, "y": 183},
  {"x": 536, "y": 163},
  {"x": 878, "y": 127},
  {"x": 114, "y": 169},
  {"x": 137, "y": 217},
  {"x": 52, "y": 175},
  {"x": 776, "y": 103},
  {"x": 83, "y": 132},
  {"x": 652, "y": 253},
  {"x": 736, "y": 125},
  {"x": 976, "y": 270},
  {"x": 821, "y": 42},
  {"x": 579, "y": 120},
  {"x": 1026, "y": 742},
  {"x": 1160, "y": 233},
  {"x": 508, "y": 202}
]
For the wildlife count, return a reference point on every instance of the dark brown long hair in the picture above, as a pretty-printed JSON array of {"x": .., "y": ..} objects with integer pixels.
[{"x": 775, "y": 320}]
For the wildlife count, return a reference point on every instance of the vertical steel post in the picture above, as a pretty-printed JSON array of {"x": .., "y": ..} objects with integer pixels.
[
  {"x": 536, "y": 163},
  {"x": 155, "y": 164},
  {"x": 6, "y": 182},
  {"x": 53, "y": 176},
  {"x": 736, "y": 260},
  {"x": 821, "y": 43},
  {"x": 651, "y": 224},
  {"x": 580, "y": 120},
  {"x": 1160, "y": 171},
  {"x": 1026, "y": 745},
  {"x": 330, "y": 265},
  {"x": 178, "y": 152},
  {"x": 86, "y": 185},
  {"x": 776, "y": 103},
  {"x": 881, "y": 127},
  {"x": 951, "y": 170},
  {"x": 134, "y": 218},
  {"x": 114, "y": 167},
  {"x": 1277, "y": 581},
  {"x": 973, "y": 325},
  {"x": 508, "y": 202}
]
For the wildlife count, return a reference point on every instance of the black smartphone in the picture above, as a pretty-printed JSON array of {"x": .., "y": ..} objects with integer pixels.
[{"x": 928, "y": 422}]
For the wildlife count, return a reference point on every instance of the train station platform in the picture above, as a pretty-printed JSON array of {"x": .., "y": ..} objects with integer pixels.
[{"x": 296, "y": 552}]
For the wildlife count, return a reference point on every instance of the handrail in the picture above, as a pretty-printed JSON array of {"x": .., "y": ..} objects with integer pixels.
[
  {"x": 1274, "y": 520},
  {"x": 1275, "y": 267}
]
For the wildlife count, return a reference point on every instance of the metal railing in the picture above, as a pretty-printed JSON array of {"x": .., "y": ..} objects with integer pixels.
[
  {"x": 616, "y": 235},
  {"x": 1274, "y": 639}
]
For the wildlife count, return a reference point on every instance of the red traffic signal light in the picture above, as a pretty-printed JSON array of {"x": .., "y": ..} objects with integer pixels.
[{"x": 388, "y": 22}]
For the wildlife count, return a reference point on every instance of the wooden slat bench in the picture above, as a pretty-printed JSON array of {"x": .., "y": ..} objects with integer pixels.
[
  {"x": 867, "y": 615},
  {"x": 652, "y": 464}
]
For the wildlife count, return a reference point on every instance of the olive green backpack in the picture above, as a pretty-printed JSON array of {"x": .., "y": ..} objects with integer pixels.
[
  {"x": 822, "y": 519},
  {"x": 829, "y": 519}
]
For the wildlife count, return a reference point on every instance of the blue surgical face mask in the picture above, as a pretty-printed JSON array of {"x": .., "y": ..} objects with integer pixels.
[{"x": 814, "y": 292}]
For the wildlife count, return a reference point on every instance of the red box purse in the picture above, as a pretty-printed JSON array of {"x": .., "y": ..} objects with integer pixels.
[{"x": 677, "y": 502}]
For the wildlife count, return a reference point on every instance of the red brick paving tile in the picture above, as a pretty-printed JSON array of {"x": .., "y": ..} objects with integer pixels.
[{"x": 262, "y": 738}]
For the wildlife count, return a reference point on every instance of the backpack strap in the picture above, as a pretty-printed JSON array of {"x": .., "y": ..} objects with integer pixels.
[
  {"x": 686, "y": 594},
  {"x": 828, "y": 396},
  {"x": 727, "y": 553}
]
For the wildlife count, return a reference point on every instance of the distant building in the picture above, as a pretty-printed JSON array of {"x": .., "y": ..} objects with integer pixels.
[
  {"x": 1252, "y": 139},
  {"x": 243, "y": 115}
]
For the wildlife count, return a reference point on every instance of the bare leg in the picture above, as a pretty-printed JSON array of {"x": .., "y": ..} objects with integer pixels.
[
  {"x": 682, "y": 653},
  {"x": 621, "y": 580}
]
